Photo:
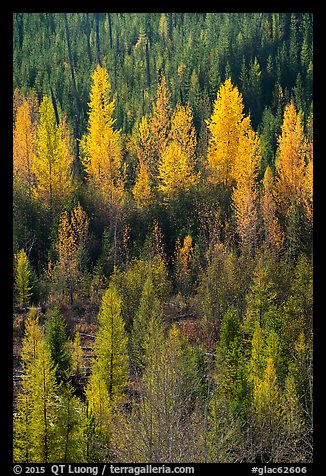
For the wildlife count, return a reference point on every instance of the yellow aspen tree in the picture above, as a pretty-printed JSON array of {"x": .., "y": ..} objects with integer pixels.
[
  {"x": 244, "y": 195},
  {"x": 102, "y": 153},
  {"x": 33, "y": 335},
  {"x": 308, "y": 191},
  {"x": 177, "y": 161},
  {"x": 184, "y": 263},
  {"x": 53, "y": 160},
  {"x": 267, "y": 397},
  {"x": 273, "y": 235},
  {"x": 256, "y": 362},
  {"x": 290, "y": 161},
  {"x": 16, "y": 103},
  {"x": 183, "y": 130},
  {"x": 175, "y": 172},
  {"x": 65, "y": 271},
  {"x": 142, "y": 190},
  {"x": 226, "y": 128},
  {"x": 160, "y": 120},
  {"x": 72, "y": 235},
  {"x": 101, "y": 146},
  {"x": 248, "y": 155},
  {"x": 79, "y": 224},
  {"x": 145, "y": 147},
  {"x": 24, "y": 145}
]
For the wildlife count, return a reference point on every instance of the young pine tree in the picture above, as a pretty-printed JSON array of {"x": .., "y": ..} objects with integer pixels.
[
  {"x": 52, "y": 164},
  {"x": 35, "y": 438},
  {"x": 23, "y": 279},
  {"x": 110, "y": 368},
  {"x": 56, "y": 338},
  {"x": 149, "y": 308}
]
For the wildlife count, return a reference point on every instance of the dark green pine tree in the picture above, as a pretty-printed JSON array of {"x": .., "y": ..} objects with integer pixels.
[
  {"x": 56, "y": 338},
  {"x": 149, "y": 308}
]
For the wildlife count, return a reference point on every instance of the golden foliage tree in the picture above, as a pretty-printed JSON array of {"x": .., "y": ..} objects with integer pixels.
[
  {"x": 24, "y": 144},
  {"x": 183, "y": 130},
  {"x": 146, "y": 172},
  {"x": 146, "y": 145},
  {"x": 142, "y": 190},
  {"x": 290, "y": 162},
  {"x": 185, "y": 264},
  {"x": 53, "y": 160},
  {"x": 177, "y": 160},
  {"x": 244, "y": 196},
  {"x": 308, "y": 191},
  {"x": 101, "y": 146},
  {"x": 102, "y": 154},
  {"x": 226, "y": 125},
  {"x": 160, "y": 120},
  {"x": 175, "y": 172},
  {"x": 72, "y": 236}
]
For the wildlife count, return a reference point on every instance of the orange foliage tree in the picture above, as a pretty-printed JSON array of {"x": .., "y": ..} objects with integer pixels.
[
  {"x": 244, "y": 195},
  {"x": 52, "y": 164},
  {"x": 71, "y": 245},
  {"x": 101, "y": 146},
  {"x": 291, "y": 160},
  {"x": 227, "y": 125},
  {"x": 24, "y": 143}
]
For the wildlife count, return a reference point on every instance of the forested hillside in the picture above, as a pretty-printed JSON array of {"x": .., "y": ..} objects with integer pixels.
[{"x": 163, "y": 219}]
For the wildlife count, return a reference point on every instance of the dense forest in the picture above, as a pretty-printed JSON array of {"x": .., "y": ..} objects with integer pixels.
[{"x": 163, "y": 220}]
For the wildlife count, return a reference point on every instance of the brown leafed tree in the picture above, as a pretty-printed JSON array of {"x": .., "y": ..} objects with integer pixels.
[{"x": 272, "y": 232}]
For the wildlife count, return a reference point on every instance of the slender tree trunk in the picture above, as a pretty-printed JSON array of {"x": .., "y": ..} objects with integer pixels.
[
  {"x": 97, "y": 31},
  {"x": 147, "y": 64},
  {"x": 75, "y": 93},
  {"x": 54, "y": 103},
  {"x": 110, "y": 30},
  {"x": 115, "y": 238},
  {"x": 87, "y": 28},
  {"x": 67, "y": 432},
  {"x": 111, "y": 360},
  {"x": 45, "y": 420},
  {"x": 170, "y": 26}
]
